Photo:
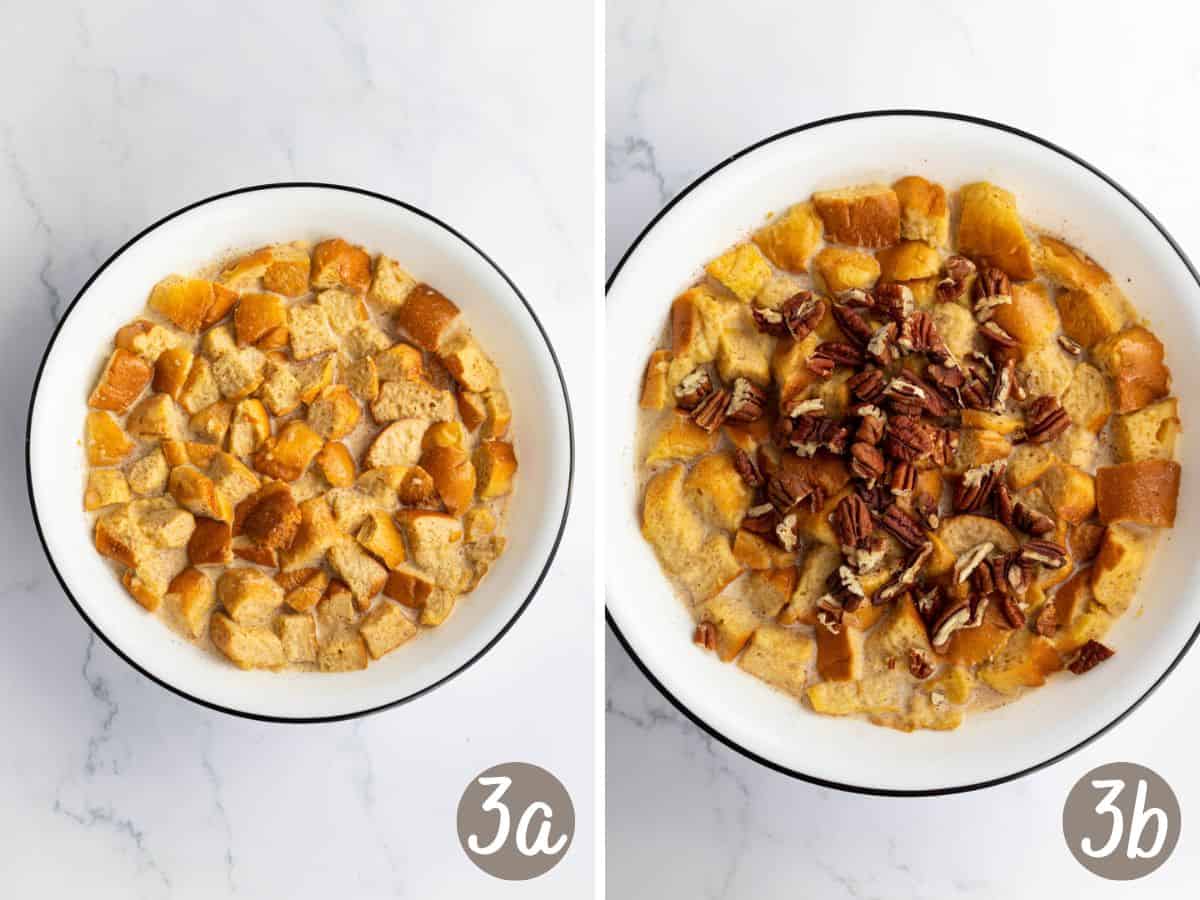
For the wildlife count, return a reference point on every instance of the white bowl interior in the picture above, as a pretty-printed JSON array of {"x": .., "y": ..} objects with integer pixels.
[
  {"x": 1052, "y": 191},
  {"x": 432, "y": 253}
]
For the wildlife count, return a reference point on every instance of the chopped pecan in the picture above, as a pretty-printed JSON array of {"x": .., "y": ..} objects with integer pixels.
[
  {"x": 1045, "y": 553},
  {"x": 852, "y": 523},
  {"x": 840, "y": 352},
  {"x": 992, "y": 289},
  {"x": 918, "y": 334},
  {"x": 977, "y": 486},
  {"x": 747, "y": 402},
  {"x": 808, "y": 406},
  {"x": 905, "y": 577},
  {"x": 761, "y": 519},
  {"x": 944, "y": 445},
  {"x": 957, "y": 270},
  {"x": 929, "y": 603},
  {"x": 905, "y": 439},
  {"x": 903, "y": 527},
  {"x": 1002, "y": 386},
  {"x": 1046, "y": 622},
  {"x": 920, "y": 667},
  {"x": 866, "y": 462},
  {"x": 947, "y": 378},
  {"x": 1016, "y": 573},
  {"x": 876, "y": 496},
  {"x": 1029, "y": 520},
  {"x": 951, "y": 620},
  {"x": 802, "y": 313},
  {"x": 893, "y": 301},
  {"x": 845, "y": 588},
  {"x": 881, "y": 347},
  {"x": 970, "y": 560},
  {"x": 976, "y": 394},
  {"x": 1070, "y": 346},
  {"x": 867, "y": 385},
  {"x": 705, "y": 636},
  {"x": 821, "y": 366},
  {"x": 902, "y": 480},
  {"x": 1011, "y": 612},
  {"x": 867, "y": 558},
  {"x": 787, "y": 532},
  {"x": 694, "y": 387},
  {"x": 811, "y": 433},
  {"x": 769, "y": 321},
  {"x": 1005, "y": 511},
  {"x": 709, "y": 413},
  {"x": 871, "y": 422},
  {"x": 830, "y": 613},
  {"x": 1090, "y": 655},
  {"x": 1045, "y": 420},
  {"x": 748, "y": 469},
  {"x": 852, "y": 324},
  {"x": 926, "y": 507},
  {"x": 997, "y": 335},
  {"x": 786, "y": 489}
]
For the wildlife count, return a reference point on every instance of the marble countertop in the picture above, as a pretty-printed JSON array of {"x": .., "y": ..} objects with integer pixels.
[
  {"x": 688, "y": 85},
  {"x": 118, "y": 113}
]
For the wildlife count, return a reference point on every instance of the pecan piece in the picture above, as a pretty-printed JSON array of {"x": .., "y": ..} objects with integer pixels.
[
  {"x": 977, "y": 486},
  {"x": 761, "y": 519},
  {"x": 802, "y": 313},
  {"x": 821, "y": 366},
  {"x": 769, "y": 321},
  {"x": 905, "y": 439},
  {"x": 874, "y": 495},
  {"x": 926, "y": 507},
  {"x": 747, "y": 402},
  {"x": 992, "y": 289},
  {"x": 903, "y": 527},
  {"x": 866, "y": 462},
  {"x": 867, "y": 385},
  {"x": 905, "y": 577},
  {"x": 785, "y": 490},
  {"x": 845, "y": 588},
  {"x": 1002, "y": 386},
  {"x": 705, "y": 636},
  {"x": 976, "y": 394},
  {"x": 1029, "y": 520},
  {"x": 951, "y": 620},
  {"x": 745, "y": 465},
  {"x": 1070, "y": 346},
  {"x": 970, "y": 560},
  {"x": 1045, "y": 420},
  {"x": 1011, "y": 612},
  {"x": 903, "y": 479},
  {"x": 957, "y": 270},
  {"x": 853, "y": 324},
  {"x": 928, "y": 604},
  {"x": 1046, "y": 622},
  {"x": 920, "y": 667},
  {"x": 947, "y": 378},
  {"x": 694, "y": 387},
  {"x": 840, "y": 352},
  {"x": 830, "y": 613},
  {"x": 918, "y": 334},
  {"x": 1090, "y": 655},
  {"x": 1045, "y": 553},
  {"x": 881, "y": 346},
  {"x": 852, "y": 523},
  {"x": 944, "y": 447},
  {"x": 1005, "y": 511},
  {"x": 893, "y": 301},
  {"x": 787, "y": 532},
  {"x": 811, "y": 433},
  {"x": 871, "y": 423},
  {"x": 709, "y": 413},
  {"x": 997, "y": 335}
]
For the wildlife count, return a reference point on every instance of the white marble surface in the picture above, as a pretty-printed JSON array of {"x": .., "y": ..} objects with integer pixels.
[
  {"x": 117, "y": 113},
  {"x": 688, "y": 84}
]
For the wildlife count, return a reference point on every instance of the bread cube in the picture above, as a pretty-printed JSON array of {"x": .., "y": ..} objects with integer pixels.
[
  {"x": 989, "y": 230},
  {"x": 286, "y": 455},
  {"x": 1134, "y": 360},
  {"x": 211, "y": 543},
  {"x": 105, "y": 441},
  {"x": 250, "y": 596},
  {"x": 212, "y": 422},
  {"x": 743, "y": 270},
  {"x": 336, "y": 263},
  {"x": 118, "y": 537},
  {"x": 468, "y": 364},
  {"x": 389, "y": 485},
  {"x": 400, "y": 362},
  {"x": 499, "y": 414},
  {"x": 1088, "y": 398},
  {"x": 669, "y": 522},
  {"x": 768, "y": 590},
  {"x": 335, "y": 413},
  {"x": 1093, "y": 625},
  {"x": 1070, "y": 491},
  {"x": 171, "y": 371},
  {"x": 1046, "y": 371},
  {"x": 399, "y": 444},
  {"x": 718, "y": 492},
  {"x": 148, "y": 476},
  {"x": 200, "y": 389},
  {"x": 155, "y": 417},
  {"x": 362, "y": 377},
  {"x": 363, "y": 575},
  {"x": 191, "y": 597},
  {"x": 239, "y": 373},
  {"x": 196, "y": 492},
  {"x": 697, "y": 320},
  {"x": 957, "y": 326},
  {"x": 1073, "y": 597},
  {"x": 743, "y": 351},
  {"x": 385, "y": 628},
  {"x": 841, "y": 269},
  {"x": 1118, "y": 568},
  {"x": 840, "y": 653},
  {"x": 344, "y": 310},
  {"x": 185, "y": 301},
  {"x": 260, "y": 319},
  {"x": 409, "y": 587},
  {"x": 679, "y": 438},
  {"x": 145, "y": 340},
  {"x": 819, "y": 562},
  {"x": 1069, "y": 267},
  {"x": 958, "y": 534},
  {"x": 124, "y": 378},
  {"x": 309, "y": 331},
  {"x": 865, "y": 216},
  {"x": 908, "y": 261},
  {"x": 453, "y": 476},
  {"x": 924, "y": 212},
  {"x": 1024, "y": 661},
  {"x": 1090, "y": 317},
  {"x": 247, "y": 647},
  {"x": 144, "y": 591},
  {"x": 412, "y": 399},
  {"x": 1149, "y": 433},
  {"x": 105, "y": 487},
  {"x": 978, "y": 447},
  {"x": 298, "y": 634},
  {"x": 901, "y": 632},
  {"x": 365, "y": 339},
  {"x": 391, "y": 285},
  {"x": 437, "y": 608},
  {"x": 495, "y": 466},
  {"x": 1145, "y": 492},
  {"x": 835, "y": 698},
  {"x": 790, "y": 239},
  {"x": 378, "y": 535},
  {"x": 1030, "y": 318},
  {"x": 780, "y": 657},
  {"x": 428, "y": 317},
  {"x": 734, "y": 622},
  {"x": 336, "y": 464},
  {"x": 435, "y": 543},
  {"x": 753, "y": 552},
  {"x": 282, "y": 268},
  {"x": 250, "y": 427},
  {"x": 197, "y": 453},
  {"x": 233, "y": 479},
  {"x": 270, "y": 517},
  {"x": 162, "y": 522}
]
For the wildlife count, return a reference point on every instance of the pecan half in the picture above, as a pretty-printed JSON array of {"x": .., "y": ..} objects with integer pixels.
[
  {"x": 761, "y": 519},
  {"x": 769, "y": 321},
  {"x": 1011, "y": 612},
  {"x": 1090, "y": 655},
  {"x": 871, "y": 422},
  {"x": 867, "y": 385},
  {"x": 970, "y": 560},
  {"x": 853, "y": 324},
  {"x": 905, "y": 577},
  {"x": 947, "y": 378},
  {"x": 1070, "y": 346},
  {"x": 1045, "y": 553},
  {"x": 918, "y": 334},
  {"x": 977, "y": 486},
  {"x": 745, "y": 465},
  {"x": 821, "y": 366},
  {"x": 903, "y": 479},
  {"x": 1045, "y": 420},
  {"x": 905, "y": 439},
  {"x": 840, "y": 352},
  {"x": 920, "y": 667},
  {"x": 1005, "y": 511},
  {"x": 747, "y": 402},
  {"x": 1046, "y": 622},
  {"x": 705, "y": 636},
  {"x": 694, "y": 387},
  {"x": 944, "y": 445},
  {"x": 951, "y": 620},
  {"x": 976, "y": 394},
  {"x": 786, "y": 489},
  {"x": 997, "y": 335},
  {"x": 992, "y": 289},
  {"x": 903, "y": 527},
  {"x": 811, "y": 433},
  {"x": 928, "y": 603},
  {"x": 881, "y": 347},
  {"x": 876, "y": 496},
  {"x": 926, "y": 507},
  {"x": 1002, "y": 386},
  {"x": 709, "y": 413},
  {"x": 830, "y": 613},
  {"x": 1029, "y": 520},
  {"x": 852, "y": 523},
  {"x": 866, "y": 462},
  {"x": 957, "y": 270},
  {"x": 893, "y": 301},
  {"x": 802, "y": 313}
]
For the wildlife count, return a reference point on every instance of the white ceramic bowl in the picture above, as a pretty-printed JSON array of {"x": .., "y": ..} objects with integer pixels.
[
  {"x": 1060, "y": 193},
  {"x": 246, "y": 219}
]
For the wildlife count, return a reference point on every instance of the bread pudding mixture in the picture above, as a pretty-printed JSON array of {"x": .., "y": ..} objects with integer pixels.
[
  {"x": 299, "y": 459},
  {"x": 899, "y": 472}
]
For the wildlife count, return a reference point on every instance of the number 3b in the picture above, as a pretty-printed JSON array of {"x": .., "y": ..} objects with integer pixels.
[{"x": 1140, "y": 818}]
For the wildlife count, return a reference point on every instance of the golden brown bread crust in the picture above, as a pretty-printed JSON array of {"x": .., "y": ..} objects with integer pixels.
[
  {"x": 656, "y": 393},
  {"x": 843, "y": 269},
  {"x": 185, "y": 301},
  {"x": 453, "y": 476},
  {"x": 864, "y": 216},
  {"x": 1134, "y": 359},
  {"x": 495, "y": 466},
  {"x": 428, "y": 316},
  {"x": 211, "y": 543},
  {"x": 1030, "y": 318},
  {"x": 990, "y": 231},
  {"x": 790, "y": 239},
  {"x": 908, "y": 261},
  {"x": 261, "y": 320},
  {"x": 124, "y": 378},
  {"x": 171, "y": 371},
  {"x": 924, "y": 212},
  {"x": 335, "y": 263},
  {"x": 1144, "y": 492}
]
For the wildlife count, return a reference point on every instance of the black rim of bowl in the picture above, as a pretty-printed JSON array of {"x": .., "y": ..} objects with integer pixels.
[
  {"x": 650, "y": 676},
  {"x": 112, "y": 645}
]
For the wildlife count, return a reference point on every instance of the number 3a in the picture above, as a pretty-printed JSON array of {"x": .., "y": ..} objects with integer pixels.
[{"x": 494, "y": 803}]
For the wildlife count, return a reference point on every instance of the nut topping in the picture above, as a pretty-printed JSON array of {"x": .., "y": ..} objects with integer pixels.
[
  {"x": 867, "y": 385},
  {"x": 1071, "y": 347},
  {"x": 905, "y": 439},
  {"x": 1046, "y": 622},
  {"x": 785, "y": 490},
  {"x": 948, "y": 622},
  {"x": 920, "y": 667},
  {"x": 968, "y": 561},
  {"x": 958, "y": 269},
  {"x": 709, "y": 413},
  {"x": 906, "y": 577},
  {"x": 845, "y": 588},
  {"x": 852, "y": 523},
  {"x": 1011, "y": 612},
  {"x": 1002, "y": 386},
  {"x": 893, "y": 301},
  {"x": 801, "y": 314},
  {"x": 705, "y": 636},
  {"x": 747, "y": 402},
  {"x": 992, "y": 289},
  {"x": 1045, "y": 420},
  {"x": 786, "y": 532},
  {"x": 997, "y": 335},
  {"x": 880, "y": 348},
  {"x": 1090, "y": 655},
  {"x": 866, "y": 462},
  {"x": 1004, "y": 504},
  {"x": 761, "y": 519},
  {"x": 1029, "y": 520},
  {"x": 1046, "y": 553},
  {"x": 903, "y": 479},
  {"x": 903, "y": 527},
  {"x": 693, "y": 388},
  {"x": 977, "y": 486},
  {"x": 926, "y": 507},
  {"x": 853, "y": 324},
  {"x": 871, "y": 424},
  {"x": 841, "y": 353},
  {"x": 748, "y": 469}
]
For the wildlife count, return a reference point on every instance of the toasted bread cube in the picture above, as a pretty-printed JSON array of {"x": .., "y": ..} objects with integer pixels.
[
  {"x": 212, "y": 422},
  {"x": 197, "y": 453},
  {"x": 282, "y": 268},
  {"x": 744, "y": 352},
  {"x": 234, "y": 480},
  {"x": 155, "y": 417},
  {"x": 755, "y": 553},
  {"x": 298, "y": 635},
  {"x": 270, "y": 517},
  {"x": 734, "y": 622},
  {"x": 1090, "y": 316},
  {"x": 409, "y": 587},
  {"x": 478, "y": 523},
  {"x": 989, "y": 230},
  {"x": 224, "y": 300},
  {"x": 444, "y": 434},
  {"x": 790, "y": 239},
  {"x": 192, "y": 596},
  {"x": 680, "y": 438},
  {"x": 1069, "y": 267},
  {"x": 697, "y": 320},
  {"x": 465, "y": 360},
  {"x": 435, "y": 543},
  {"x": 171, "y": 371},
  {"x": 363, "y": 575},
  {"x": 840, "y": 654},
  {"x": 908, "y": 261},
  {"x": 343, "y": 310},
  {"x": 148, "y": 476},
  {"x": 1073, "y": 597},
  {"x": 669, "y": 522},
  {"x": 196, "y": 492},
  {"x": 217, "y": 342},
  {"x": 1046, "y": 371},
  {"x": 495, "y": 466},
  {"x": 978, "y": 447},
  {"x": 958, "y": 328},
  {"x": 211, "y": 543},
  {"x": 781, "y": 288},
  {"x": 303, "y": 588},
  {"x": 413, "y": 399},
  {"x": 385, "y": 628},
  {"x": 281, "y": 389},
  {"x": 286, "y": 455},
  {"x": 379, "y": 535},
  {"x": 335, "y": 413},
  {"x": 428, "y": 317},
  {"x": 365, "y": 339},
  {"x": 260, "y": 319},
  {"x": 1071, "y": 492},
  {"x": 239, "y": 373},
  {"x": 391, "y": 285},
  {"x": 924, "y": 212},
  {"x": 712, "y": 570},
  {"x": 309, "y": 331},
  {"x": 768, "y": 590},
  {"x": 164, "y": 524},
  {"x": 1027, "y": 463},
  {"x": 336, "y": 464},
  {"x": 337, "y": 609},
  {"x": 1024, "y": 661},
  {"x": 1145, "y": 492},
  {"x": 453, "y": 475},
  {"x": 105, "y": 487},
  {"x": 1149, "y": 433},
  {"x": 389, "y": 485},
  {"x": 1088, "y": 399},
  {"x": 499, "y": 414},
  {"x": 351, "y": 508},
  {"x": 362, "y": 377},
  {"x": 185, "y": 301},
  {"x": 717, "y": 490},
  {"x": 866, "y": 216},
  {"x": 842, "y": 269},
  {"x": 834, "y": 698},
  {"x": 1118, "y": 568},
  {"x": 145, "y": 339},
  {"x": 743, "y": 270},
  {"x": 124, "y": 378},
  {"x": 901, "y": 632},
  {"x": 437, "y": 608},
  {"x": 250, "y": 596},
  {"x": 250, "y": 427},
  {"x": 200, "y": 389},
  {"x": 400, "y": 362},
  {"x": 336, "y": 263},
  {"x": 246, "y": 647},
  {"x": 148, "y": 590},
  {"x": 399, "y": 444},
  {"x": 780, "y": 657},
  {"x": 1030, "y": 318},
  {"x": 118, "y": 537},
  {"x": 344, "y": 651},
  {"x": 1134, "y": 360},
  {"x": 105, "y": 441}
]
